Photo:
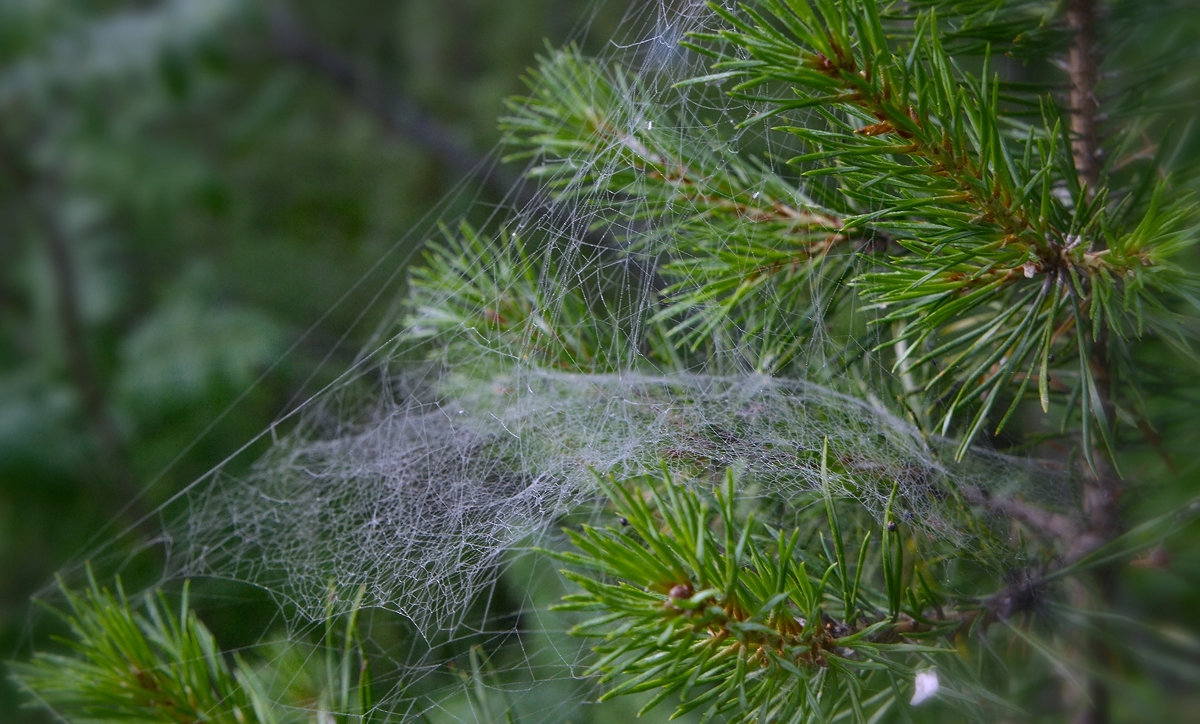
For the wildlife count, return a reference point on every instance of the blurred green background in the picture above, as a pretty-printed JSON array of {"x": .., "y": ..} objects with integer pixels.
[{"x": 187, "y": 187}]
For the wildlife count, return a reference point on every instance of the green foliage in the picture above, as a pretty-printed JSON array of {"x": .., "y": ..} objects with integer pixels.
[
  {"x": 516, "y": 302},
  {"x": 126, "y": 662},
  {"x": 731, "y": 615},
  {"x": 1008, "y": 258},
  {"x": 892, "y": 200},
  {"x": 1006, "y": 276},
  {"x": 151, "y": 666}
]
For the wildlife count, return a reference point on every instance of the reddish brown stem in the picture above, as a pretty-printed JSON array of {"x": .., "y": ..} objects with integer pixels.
[
  {"x": 1084, "y": 108},
  {"x": 1101, "y": 492}
]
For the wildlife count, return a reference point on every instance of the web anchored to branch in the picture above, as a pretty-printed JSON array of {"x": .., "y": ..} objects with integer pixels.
[
  {"x": 792, "y": 246},
  {"x": 665, "y": 302},
  {"x": 418, "y": 501}
]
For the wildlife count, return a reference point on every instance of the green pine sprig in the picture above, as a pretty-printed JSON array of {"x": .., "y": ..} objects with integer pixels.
[
  {"x": 598, "y": 142},
  {"x": 154, "y": 661},
  {"x": 738, "y": 619},
  {"x": 1013, "y": 277},
  {"x": 154, "y": 666},
  {"x": 475, "y": 296}
]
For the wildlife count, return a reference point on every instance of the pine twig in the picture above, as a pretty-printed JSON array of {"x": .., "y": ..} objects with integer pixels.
[
  {"x": 1101, "y": 492},
  {"x": 1083, "y": 106}
]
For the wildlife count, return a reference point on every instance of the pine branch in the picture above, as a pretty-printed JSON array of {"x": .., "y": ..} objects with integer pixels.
[
  {"x": 689, "y": 598},
  {"x": 1001, "y": 273},
  {"x": 129, "y": 662},
  {"x": 515, "y": 306},
  {"x": 129, "y": 667},
  {"x": 737, "y": 618},
  {"x": 599, "y": 144}
]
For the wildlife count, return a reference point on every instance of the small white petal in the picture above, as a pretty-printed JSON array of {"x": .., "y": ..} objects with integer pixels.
[{"x": 924, "y": 686}]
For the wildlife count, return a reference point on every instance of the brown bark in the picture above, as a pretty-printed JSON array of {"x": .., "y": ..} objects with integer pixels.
[{"x": 1102, "y": 489}]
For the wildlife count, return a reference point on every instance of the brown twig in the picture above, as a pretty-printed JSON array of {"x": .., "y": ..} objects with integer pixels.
[
  {"x": 1019, "y": 596},
  {"x": 1082, "y": 103},
  {"x": 1102, "y": 490}
]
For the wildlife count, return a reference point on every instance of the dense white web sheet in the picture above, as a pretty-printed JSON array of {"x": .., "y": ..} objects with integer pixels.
[{"x": 417, "y": 501}]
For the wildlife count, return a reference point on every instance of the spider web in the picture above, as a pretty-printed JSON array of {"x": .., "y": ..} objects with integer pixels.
[{"x": 417, "y": 486}]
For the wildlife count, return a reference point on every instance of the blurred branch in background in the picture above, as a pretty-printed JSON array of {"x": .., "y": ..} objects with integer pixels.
[
  {"x": 399, "y": 114},
  {"x": 111, "y": 448},
  {"x": 123, "y": 500}
]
